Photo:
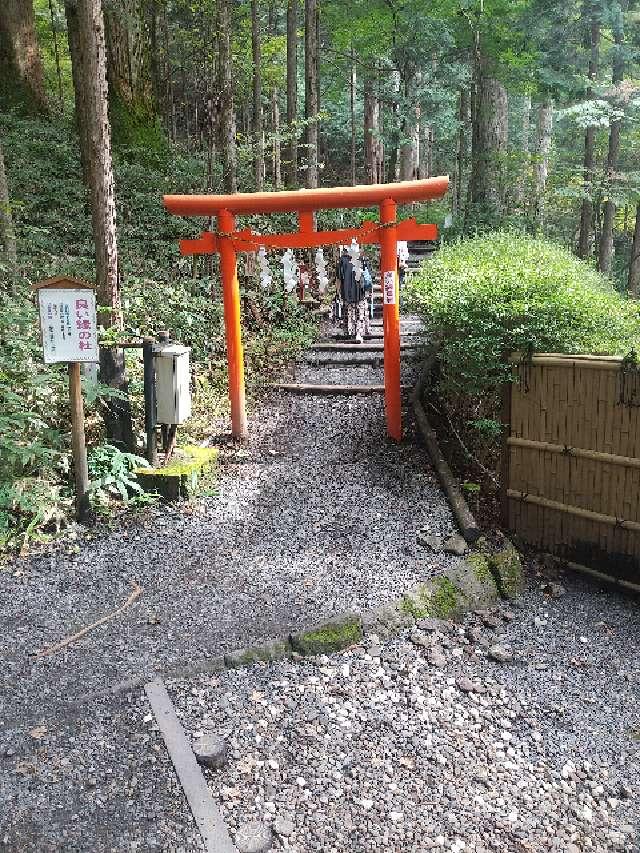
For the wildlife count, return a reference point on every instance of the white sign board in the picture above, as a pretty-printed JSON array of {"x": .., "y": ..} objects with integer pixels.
[
  {"x": 389, "y": 287},
  {"x": 69, "y": 324}
]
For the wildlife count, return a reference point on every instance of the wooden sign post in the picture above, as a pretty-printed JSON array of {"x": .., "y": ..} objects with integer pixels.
[{"x": 69, "y": 329}]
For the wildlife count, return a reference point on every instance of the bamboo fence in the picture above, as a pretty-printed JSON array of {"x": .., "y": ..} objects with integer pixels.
[{"x": 571, "y": 459}]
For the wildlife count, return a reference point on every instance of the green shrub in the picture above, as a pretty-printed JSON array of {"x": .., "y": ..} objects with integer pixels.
[{"x": 501, "y": 293}]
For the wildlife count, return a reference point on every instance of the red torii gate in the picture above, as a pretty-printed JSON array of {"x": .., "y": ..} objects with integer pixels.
[{"x": 227, "y": 241}]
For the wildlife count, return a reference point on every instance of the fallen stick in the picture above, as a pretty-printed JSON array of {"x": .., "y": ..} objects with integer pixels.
[{"x": 137, "y": 590}]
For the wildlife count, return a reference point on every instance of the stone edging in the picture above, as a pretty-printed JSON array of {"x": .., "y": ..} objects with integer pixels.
[
  {"x": 481, "y": 579},
  {"x": 466, "y": 522}
]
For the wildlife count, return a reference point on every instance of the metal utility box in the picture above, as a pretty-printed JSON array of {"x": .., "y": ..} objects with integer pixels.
[{"x": 173, "y": 396}]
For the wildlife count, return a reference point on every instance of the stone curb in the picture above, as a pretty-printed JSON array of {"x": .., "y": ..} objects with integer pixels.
[{"x": 480, "y": 580}]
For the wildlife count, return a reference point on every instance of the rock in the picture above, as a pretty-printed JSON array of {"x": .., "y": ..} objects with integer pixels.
[
  {"x": 436, "y": 657},
  {"x": 465, "y": 684},
  {"x": 435, "y": 543},
  {"x": 490, "y": 621},
  {"x": 420, "y": 639},
  {"x": 429, "y": 624},
  {"x": 254, "y": 837},
  {"x": 211, "y": 751},
  {"x": 283, "y": 825},
  {"x": 455, "y": 545},
  {"x": 499, "y": 654}
]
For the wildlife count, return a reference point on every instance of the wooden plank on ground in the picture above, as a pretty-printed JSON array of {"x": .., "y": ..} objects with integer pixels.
[
  {"x": 209, "y": 820},
  {"x": 349, "y": 347},
  {"x": 329, "y": 390}
]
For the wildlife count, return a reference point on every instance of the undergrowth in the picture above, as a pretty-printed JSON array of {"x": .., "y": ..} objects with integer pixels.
[{"x": 161, "y": 290}]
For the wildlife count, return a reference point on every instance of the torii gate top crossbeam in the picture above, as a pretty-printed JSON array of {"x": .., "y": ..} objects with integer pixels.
[{"x": 307, "y": 199}]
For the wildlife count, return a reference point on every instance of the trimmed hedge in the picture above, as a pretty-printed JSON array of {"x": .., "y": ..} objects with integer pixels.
[{"x": 500, "y": 293}]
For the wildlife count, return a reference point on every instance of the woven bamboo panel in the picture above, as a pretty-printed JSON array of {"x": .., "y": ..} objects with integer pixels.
[{"x": 575, "y": 444}]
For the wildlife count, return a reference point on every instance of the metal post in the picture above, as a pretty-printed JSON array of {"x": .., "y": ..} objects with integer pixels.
[
  {"x": 231, "y": 299},
  {"x": 391, "y": 319},
  {"x": 78, "y": 445},
  {"x": 150, "y": 401}
]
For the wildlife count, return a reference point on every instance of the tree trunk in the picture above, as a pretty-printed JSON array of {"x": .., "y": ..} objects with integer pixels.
[
  {"x": 92, "y": 102},
  {"x": 292, "y": 92},
  {"x": 544, "y": 129},
  {"x": 410, "y": 142},
  {"x": 373, "y": 156},
  {"x": 128, "y": 33},
  {"x": 7, "y": 232},
  {"x": 312, "y": 100},
  {"x": 605, "y": 255},
  {"x": 586, "y": 211},
  {"x": 461, "y": 153},
  {"x": 275, "y": 123},
  {"x": 352, "y": 111},
  {"x": 20, "y": 60},
  {"x": 489, "y": 141},
  {"x": 634, "y": 263},
  {"x": 227, "y": 127},
  {"x": 258, "y": 140},
  {"x": 523, "y": 171},
  {"x": 56, "y": 52}
]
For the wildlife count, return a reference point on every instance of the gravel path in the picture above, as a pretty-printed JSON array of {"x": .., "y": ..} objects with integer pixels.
[
  {"x": 316, "y": 514},
  {"x": 377, "y": 749}
]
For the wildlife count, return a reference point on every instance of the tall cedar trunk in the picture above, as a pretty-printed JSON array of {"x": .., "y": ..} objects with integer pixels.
[
  {"x": 373, "y": 152},
  {"x": 544, "y": 129},
  {"x": 352, "y": 112},
  {"x": 461, "y": 152},
  {"x": 92, "y": 103},
  {"x": 76, "y": 52},
  {"x": 292, "y": 92},
  {"x": 489, "y": 140},
  {"x": 56, "y": 52},
  {"x": 258, "y": 140},
  {"x": 20, "y": 59},
  {"x": 586, "y": 210},
  {"x": 634, "y": 263},
  {"x": 605, "y": 255},
  {"x": 275, "y": 124},
  {"x": 521, "y": 183},
  {"x": 7, "y": 232},
  {"x": 312, "y": 99},
  {"x": 394, "y": 154},
  {"x": 227, "y": 125},
  {"x": 129, "y": 66},
  {"x": 408, "y": 146}
]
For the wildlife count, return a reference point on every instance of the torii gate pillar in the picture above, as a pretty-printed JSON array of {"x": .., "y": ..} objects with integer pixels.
[
  {"x": 390, "y": 318},
  {"x": 232, "y": 327}
]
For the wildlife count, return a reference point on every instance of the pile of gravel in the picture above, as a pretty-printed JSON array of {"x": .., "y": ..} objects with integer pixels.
[{"x": 378, "y": 748}]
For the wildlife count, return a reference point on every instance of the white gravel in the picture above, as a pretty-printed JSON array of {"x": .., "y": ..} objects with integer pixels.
[{"x": 376, "y": 749}]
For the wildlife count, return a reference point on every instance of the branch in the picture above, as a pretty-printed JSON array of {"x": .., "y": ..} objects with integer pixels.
[{"x": 49, "y": 650}]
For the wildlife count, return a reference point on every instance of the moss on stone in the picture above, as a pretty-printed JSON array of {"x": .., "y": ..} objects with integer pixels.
[
  {"x": 444, "y": 601},
  {"x": 410, "y": 606},
  {"x": 328, "y": 638},
  {"x": 184, "y": 478},
  {"x": 480, "y": 566},
  {"x": 507, "y": 568}
]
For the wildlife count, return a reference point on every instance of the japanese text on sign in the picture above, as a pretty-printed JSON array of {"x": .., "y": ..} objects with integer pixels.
[
  {"x": 68, "y": 323},
  {"x": 390, "y": 287}
]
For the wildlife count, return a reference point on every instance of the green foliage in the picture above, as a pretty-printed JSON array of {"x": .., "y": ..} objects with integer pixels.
[
  {"x": 112, "y": 475},
  {"x": 497, "y": 294}
]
